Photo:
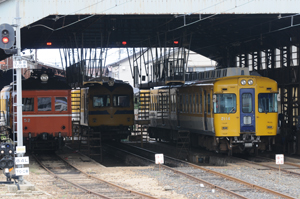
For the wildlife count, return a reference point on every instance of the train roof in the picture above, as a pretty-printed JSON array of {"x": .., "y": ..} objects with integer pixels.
[
  {"x": 104, "y": 81},
  {"x": 54, "y": 83},
  {"x": 210, "y": 82}
]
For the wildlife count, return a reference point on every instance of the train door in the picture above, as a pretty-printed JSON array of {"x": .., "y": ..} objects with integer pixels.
[
  {"x": 247, "y": 107},
  {"x": 205, "y": 110}
]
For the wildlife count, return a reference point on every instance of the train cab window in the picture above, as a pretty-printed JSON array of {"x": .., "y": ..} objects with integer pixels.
[
  {"x": 28, "y": 104},
  {"x": 101, "y": 101},
  {"x": 225, "y": 103},
  {"x": 44, "y": 103},
  {"x": 208, "y": 103},
  {"x": 61, "y": 103},
  {"x": 267, "y": 102},
  {"x": 121, "y": 100},
  {"x": 246, "y": 103}
]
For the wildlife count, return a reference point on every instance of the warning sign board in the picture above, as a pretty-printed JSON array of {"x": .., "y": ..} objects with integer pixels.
[
  {"x": 159, "y": 158},
  {"x": 279, "y": 159}
]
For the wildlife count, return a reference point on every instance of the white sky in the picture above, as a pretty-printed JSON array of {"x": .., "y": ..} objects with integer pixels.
[{"x": 52, "y": 56}]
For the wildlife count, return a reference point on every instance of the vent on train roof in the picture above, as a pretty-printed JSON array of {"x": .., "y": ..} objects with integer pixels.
[{"x": 214, "y": 74}]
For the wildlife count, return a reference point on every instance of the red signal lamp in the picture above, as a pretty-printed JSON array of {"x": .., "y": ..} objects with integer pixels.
[
  {"x": 124, "y": 43},
  {"x": 176, "y": 42},
  {"x": 49, "y": 44},
  {"x": 5, "y": 40}
]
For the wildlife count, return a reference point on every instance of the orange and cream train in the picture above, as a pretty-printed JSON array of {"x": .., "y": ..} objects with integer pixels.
[
  {"x": 47, "y": 114},
  {"x": 228, "y": 114}
]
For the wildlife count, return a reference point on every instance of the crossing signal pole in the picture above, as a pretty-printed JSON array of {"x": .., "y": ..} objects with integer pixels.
[
  {"x": 8, "y": 39},
  {"x": 19, "y": 89}
]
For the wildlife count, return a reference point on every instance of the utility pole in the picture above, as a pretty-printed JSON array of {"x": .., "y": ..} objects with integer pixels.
[{"x": 19, "y": 87}]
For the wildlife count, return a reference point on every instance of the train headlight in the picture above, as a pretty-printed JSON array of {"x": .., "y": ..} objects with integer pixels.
[
  {"x": 2, "y": 152},
  {"x": 250, "y": 81},
  {"x": 44, "y": 77},
  {"x": 243, "y": 82}
]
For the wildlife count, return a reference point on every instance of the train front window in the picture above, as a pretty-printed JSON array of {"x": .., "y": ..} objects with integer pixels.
[
  {"x": 225, "y": 103},
  {"x": 28, "y": 104},
  {"x": 267, "y": 102},
  {"x": 44, "y": 104},
  {"x": 246, "y": 103},
  {"x": 121, "y": 101},
  {"x": 101, "y": 101},
  {"x": 61, "y": 103}
]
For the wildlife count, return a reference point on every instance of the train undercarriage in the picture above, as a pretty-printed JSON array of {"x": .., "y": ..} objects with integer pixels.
[{"x": 246, "y": 143}]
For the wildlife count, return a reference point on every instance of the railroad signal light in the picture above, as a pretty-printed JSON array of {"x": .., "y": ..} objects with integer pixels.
[
  {"x": 176, "y": 42},
  {"x": 7, "y": 152},
  {"x": 5, "y": 40},
  {"x": 124, "y": 43},
  {"x": 7, "y": 36},
  {"x": 49, "y": 44}
]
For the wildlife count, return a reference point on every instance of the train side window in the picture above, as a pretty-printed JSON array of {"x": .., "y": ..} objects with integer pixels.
[
  {"x": 180, "y": 103},
  {"x": 28, "y": 104},
  {"x": 121, "y": 101},
  {"x": 185, "y": 103},
  {"x": 208, "y": 103},
  {"x": 197, "y": 102},
  {"x": 44, "y": 104},
  {"x": 61, "y": 103},
  {"x": 194, "y": 104},
  {"x": 200, "y": 104},
  {"x": 174, "y": 103},
  {"x": 190, "y": 105}
]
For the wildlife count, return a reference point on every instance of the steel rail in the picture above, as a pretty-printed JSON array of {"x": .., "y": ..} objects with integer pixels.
[
  {"x": 225, "y": 176},
  {"x": 56, "y": 176},
  {"x": 288, "y": 163},
  {"x": 241, "y": 181},
  {"x": 114, "y": 185},
  {"x": 268, "y": 166},
  {"x": 187, "y": 175}
]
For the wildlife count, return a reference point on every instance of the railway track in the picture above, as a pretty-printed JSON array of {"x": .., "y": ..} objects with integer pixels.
[
  {"x": 287, "y": 167},
  {"x": 215, "y": 180},
  {"x": 83, "y": 183}
]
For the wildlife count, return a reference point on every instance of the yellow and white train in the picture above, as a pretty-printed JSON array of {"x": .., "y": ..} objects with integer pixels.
[
  {"x": 104, "y": 106},
  {"x": 228, "y": 114}
]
